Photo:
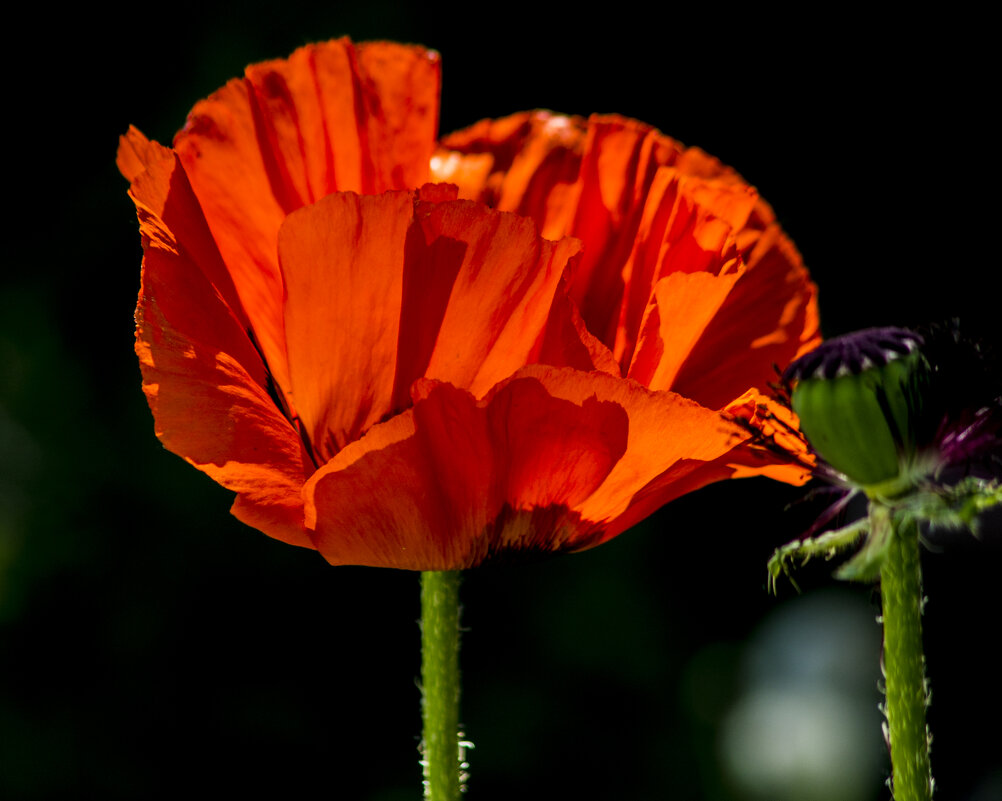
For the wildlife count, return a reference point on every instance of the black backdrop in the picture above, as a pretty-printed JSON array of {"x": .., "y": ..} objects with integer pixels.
[{"x": 151, "y": 646}]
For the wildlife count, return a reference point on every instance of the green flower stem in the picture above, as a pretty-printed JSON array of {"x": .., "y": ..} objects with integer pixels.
[
  {"x": 904, "y": 665},
  {"x": 440, "y": 685}
]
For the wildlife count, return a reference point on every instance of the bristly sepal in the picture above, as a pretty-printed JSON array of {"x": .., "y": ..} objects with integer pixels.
[{"x": 801, "y": 551}]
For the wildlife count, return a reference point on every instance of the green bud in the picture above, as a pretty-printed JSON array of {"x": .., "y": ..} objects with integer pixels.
[{"x": 857, "y": 398}]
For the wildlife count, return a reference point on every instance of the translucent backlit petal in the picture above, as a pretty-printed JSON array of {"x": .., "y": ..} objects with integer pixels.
[
  {"x": 682, "y": 306},
  {"x": 505, "y": 279},
  {"x": 645, "y": 207},
  {"x": 381, "y": 291},
  {"x": 768, "y": 319},
  {"x": 457, "y": 481},
  {"x": 448, "y": 484},
  {"x": 208, "y": 388},
  {"x": 587, "y": 180},
  {"x": 332, "y": 117}
]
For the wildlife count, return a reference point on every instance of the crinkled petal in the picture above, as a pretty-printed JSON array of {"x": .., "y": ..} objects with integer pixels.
[
  {"x": 343, "y": 266},
  {"x": 502, "y": 278},
  {"x": 682, "y": 306},
  {"x": 575, "y": 178},
  {"x": 645, "y": 207},
  {"x": 788, "y": 458},
  {"x": 551, "y": 460},
  {"x": 527, "y": 163},
  {"x": 769, "y": 318},
  {"x": 332, "y": 117},
  {"x": 340, "y": 117},
  {"x": 169, "y": 212},
  {"x": 208, "y": 388},
  {"x": 382, "y": 291},
  {"x": 678, "y": 235},
  {"x": 665, "y": 428},
  {"x": 455, "y": 480},
  {"x": 789, "y": 461},
  {"x": 566, "y": 342}
]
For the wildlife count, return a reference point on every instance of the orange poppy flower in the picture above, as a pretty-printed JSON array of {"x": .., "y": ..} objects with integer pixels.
[{"x": 397, "y": 377}]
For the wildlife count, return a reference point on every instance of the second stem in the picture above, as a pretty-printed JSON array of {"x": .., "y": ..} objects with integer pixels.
[{"x": 904, "y": 664}]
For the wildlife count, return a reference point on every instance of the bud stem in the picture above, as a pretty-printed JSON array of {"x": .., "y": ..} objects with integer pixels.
[
  {"x": 904, "y": 663},
  {"x": 440, "y": 685}
]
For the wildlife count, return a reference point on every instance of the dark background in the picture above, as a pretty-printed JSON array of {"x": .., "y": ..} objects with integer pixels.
[{"x": 151, "y": 646}]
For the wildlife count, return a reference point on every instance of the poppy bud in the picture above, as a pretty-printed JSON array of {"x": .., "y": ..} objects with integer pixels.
[{"x": 859, "y": 398}]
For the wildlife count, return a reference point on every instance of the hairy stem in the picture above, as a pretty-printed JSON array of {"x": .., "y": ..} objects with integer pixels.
[
  {"x": 440, "y": 685},
  {"x": 904, "y": 665}
]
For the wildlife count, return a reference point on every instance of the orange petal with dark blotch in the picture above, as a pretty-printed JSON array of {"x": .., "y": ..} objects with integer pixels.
[
  {"x": 208, "y": 391},
  {"x": 400, "y": 87},
  {"x": 744, "y": 459},
  {"x": 456, "y": 481}
]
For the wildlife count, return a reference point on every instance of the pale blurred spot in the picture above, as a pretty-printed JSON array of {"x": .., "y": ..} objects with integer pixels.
[{"x": 806, "y": 726}]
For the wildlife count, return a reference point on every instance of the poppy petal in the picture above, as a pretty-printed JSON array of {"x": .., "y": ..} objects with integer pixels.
[
  {"x": 380, "y": 292},
  {"x": 677, "y": 235},
  {"x": 169, "y": 212},
  {"x": 767, "y": 320},
  {"x": 575, "y": 178},
  {"x": 208, "y": 390},
  {"x": 736, "y": 458},
  {"x": 593, "y": 179},
  {"x": 789, "y": 459},
  {"x": 504, "y": 277},
  {"x": 680, "y": 310},
  {"x": 566, "y": 342},
  {"x": 548, "y": 461},
  {"x": 136, "y": 153},
  {"x": 665, "y": 430},
  {"x": 343, "y": 265},
  {"x": 456, "y": 480},
  {"x": 339, "y": 117},
  {"x": 332, "y": 117}
]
